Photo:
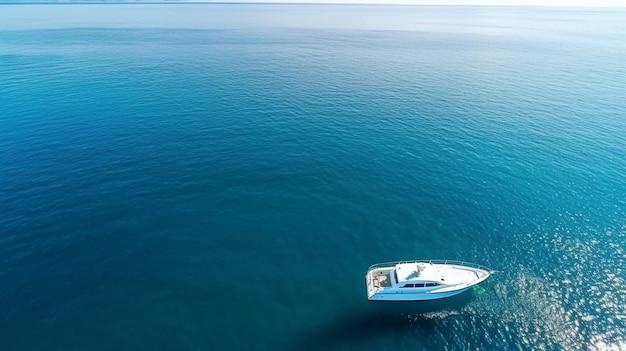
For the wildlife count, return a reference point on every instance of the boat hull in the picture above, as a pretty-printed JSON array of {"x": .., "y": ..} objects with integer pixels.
[{"x": 416, "y": 297}]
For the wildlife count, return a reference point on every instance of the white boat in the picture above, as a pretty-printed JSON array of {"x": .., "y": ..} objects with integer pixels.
[{"x": 422, "y": 280}]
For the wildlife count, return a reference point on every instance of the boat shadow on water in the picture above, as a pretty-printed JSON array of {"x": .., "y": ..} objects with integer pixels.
[{"x": 380, "y": 321}]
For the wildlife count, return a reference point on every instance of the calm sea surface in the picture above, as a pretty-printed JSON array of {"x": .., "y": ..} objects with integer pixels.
[{"x": 220, "y": 177}]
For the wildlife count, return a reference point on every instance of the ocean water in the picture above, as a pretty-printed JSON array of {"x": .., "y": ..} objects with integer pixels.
[{"x": 220, "y": 177}]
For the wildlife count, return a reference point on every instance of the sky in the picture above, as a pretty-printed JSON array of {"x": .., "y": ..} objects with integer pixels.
[
  {"x": 574, "y": 3},
  {"x": 571, "y": 3}
]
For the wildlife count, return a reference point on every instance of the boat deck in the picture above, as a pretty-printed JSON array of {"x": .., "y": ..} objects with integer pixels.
[
  {"x": 382, "y": 279},
  {"x": 446, "y": 274}
]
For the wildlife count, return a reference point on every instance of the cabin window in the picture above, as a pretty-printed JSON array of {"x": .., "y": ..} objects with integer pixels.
[
  {"x": 408, "y": 285},
  {"x": 419, "y": 285},
  {"x": 431, "y": 284}
]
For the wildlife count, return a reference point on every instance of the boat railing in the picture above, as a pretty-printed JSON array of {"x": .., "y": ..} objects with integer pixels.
[{"x": 453, "y": 262}]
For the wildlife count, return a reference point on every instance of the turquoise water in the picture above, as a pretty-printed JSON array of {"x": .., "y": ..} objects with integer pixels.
[{"x": 219, "y": 177}]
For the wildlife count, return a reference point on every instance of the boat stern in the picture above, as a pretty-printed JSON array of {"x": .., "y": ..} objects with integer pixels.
[{"x": 379, "y": 278}]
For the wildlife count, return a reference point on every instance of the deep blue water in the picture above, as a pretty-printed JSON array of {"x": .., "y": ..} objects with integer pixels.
[{"x": 219, "y": 177}]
